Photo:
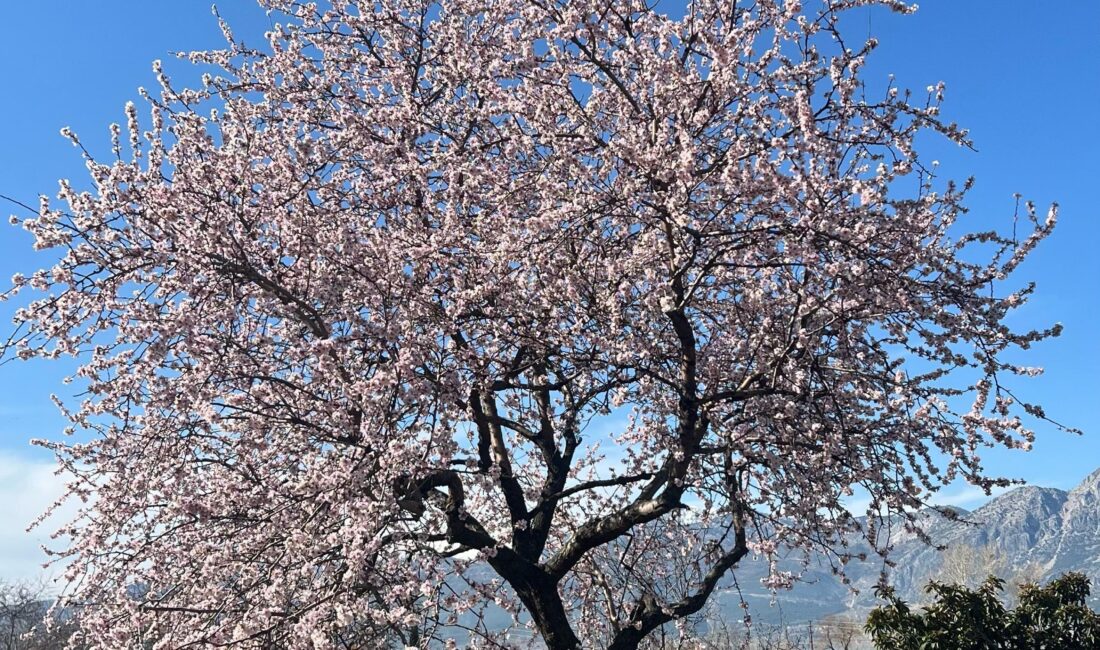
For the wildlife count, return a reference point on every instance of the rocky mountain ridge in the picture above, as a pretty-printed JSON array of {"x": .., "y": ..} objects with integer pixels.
[{"x": 1035, "y": 532}]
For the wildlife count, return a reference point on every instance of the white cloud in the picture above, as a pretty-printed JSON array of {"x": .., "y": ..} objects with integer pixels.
[{"x": 27, "y": 488}]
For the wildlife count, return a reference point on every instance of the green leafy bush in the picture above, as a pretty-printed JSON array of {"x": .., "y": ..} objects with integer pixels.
[{"x": 1054, "y": 617}]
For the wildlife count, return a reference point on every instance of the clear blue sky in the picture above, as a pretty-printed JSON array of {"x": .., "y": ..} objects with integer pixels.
[{"x": 1023, "y": 76}]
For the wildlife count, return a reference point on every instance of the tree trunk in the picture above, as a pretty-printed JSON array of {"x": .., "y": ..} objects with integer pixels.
[
  {"x": 628, "y": 638},
  {"x": 549, "y": 615},
  {"x": 539, "y": 594}
]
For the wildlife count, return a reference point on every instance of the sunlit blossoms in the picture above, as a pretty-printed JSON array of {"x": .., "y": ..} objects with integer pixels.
[{"x": 431, "y": 317}]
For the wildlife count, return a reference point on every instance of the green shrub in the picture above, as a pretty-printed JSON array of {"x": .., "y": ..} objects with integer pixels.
[{"x": 1054, "y": 617}]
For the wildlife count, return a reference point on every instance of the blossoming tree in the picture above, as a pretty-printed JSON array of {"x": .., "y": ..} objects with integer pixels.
[{"x": 562, "y": 307}]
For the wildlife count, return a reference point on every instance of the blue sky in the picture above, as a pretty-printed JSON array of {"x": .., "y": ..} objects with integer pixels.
[{"x": 1023, "y": 76}]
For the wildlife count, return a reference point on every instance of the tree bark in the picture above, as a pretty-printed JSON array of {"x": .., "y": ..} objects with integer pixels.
[
  {"x": 549, "y": 615},
  {"x": 539, "y": 594}
]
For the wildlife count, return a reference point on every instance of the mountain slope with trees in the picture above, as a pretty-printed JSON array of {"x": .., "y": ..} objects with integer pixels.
[{"x": 1029, "y": 533}]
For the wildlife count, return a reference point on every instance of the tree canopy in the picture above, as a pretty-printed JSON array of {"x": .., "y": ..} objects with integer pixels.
[{"x": 429, "y": 309}]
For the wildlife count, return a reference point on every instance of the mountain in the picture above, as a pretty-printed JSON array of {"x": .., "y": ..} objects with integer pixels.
[{"x": 1030, "y": 531}]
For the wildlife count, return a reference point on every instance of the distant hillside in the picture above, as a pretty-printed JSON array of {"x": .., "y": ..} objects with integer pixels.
[{"x": 1041, "y": 531}]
